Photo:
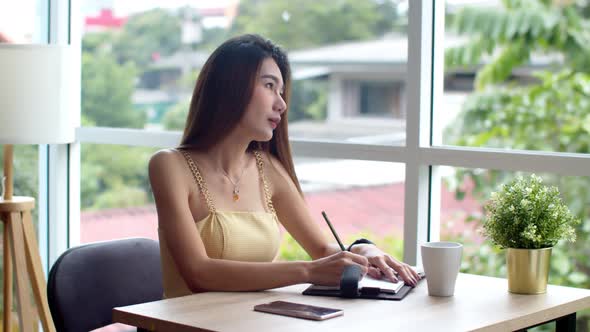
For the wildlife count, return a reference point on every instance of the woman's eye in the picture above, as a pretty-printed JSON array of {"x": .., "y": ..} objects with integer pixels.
[{"x": 269, "y": 85}]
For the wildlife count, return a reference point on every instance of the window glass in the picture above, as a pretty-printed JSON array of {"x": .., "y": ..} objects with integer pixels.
[
  {"x": 140, "y": 62},
  {"x": 25, "y": 183},
  {"x": 116, "y": 199},
  {"x": 362, "y": 198},
  {"x": 25, "y": 170},
  {"x": 23, "y": 22},
  {"x": 503, "y": 60},
  {"x": 464, "y": 195}
]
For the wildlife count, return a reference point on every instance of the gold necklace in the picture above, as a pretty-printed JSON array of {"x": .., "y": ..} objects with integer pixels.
[{"x": 236, "y": 191}]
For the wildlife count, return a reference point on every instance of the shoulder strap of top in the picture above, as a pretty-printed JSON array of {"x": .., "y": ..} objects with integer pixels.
[
  {"x": 267, "y": 195},
  {"x": 199, "y": 180}
]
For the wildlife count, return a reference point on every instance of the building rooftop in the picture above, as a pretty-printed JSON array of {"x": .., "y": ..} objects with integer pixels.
[
  {"x": 105, "y": 19},
  {"x": 387, "y": 54},
  {"x": 381, "y": 51},
  {"x": 377, "y": 209}
]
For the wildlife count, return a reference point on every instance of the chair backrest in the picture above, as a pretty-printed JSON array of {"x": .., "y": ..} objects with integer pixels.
[{"x": 88, "y": 281}]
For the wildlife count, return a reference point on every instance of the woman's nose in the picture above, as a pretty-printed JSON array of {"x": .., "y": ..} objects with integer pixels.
[{"x": 280, "y": 104}]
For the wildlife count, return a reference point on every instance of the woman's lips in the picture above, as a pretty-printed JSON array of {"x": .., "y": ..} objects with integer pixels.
[{"x": 274, "y": 123}]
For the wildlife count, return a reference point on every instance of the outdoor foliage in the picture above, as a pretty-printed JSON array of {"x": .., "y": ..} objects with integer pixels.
[
  {"x": 107, "y": 88},
  {"x": 290, "y": 250},
  {"x": 175, "y": 118},
  {"x": 114, "y": 176},
  {"x": 523, "y": 28},
  {"x": 25, "y": 170},
  {"x": 549, "y": 113},
  {"x": 309, "y": 100},
  {"x": 304, "y": 24},
  {"x": 308, "y": 23},
  {"x": 147, "y": 35},
  {"x": 526, "y": 214},
  {"x": 114, "y": 62}
]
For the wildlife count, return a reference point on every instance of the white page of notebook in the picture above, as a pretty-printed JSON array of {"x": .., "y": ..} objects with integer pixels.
[{"x": 384, "y": 283}]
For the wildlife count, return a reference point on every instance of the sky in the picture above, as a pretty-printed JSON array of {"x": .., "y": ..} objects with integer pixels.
[
  {"x": 19, "y": 17},
  {"x": 126, "y": 7}
]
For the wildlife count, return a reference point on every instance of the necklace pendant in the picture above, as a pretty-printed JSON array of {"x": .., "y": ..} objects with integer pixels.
[{"x": 236, "y": 195}]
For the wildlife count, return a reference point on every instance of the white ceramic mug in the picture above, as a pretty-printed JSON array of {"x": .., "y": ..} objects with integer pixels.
[{"x": 441, "y": 262}]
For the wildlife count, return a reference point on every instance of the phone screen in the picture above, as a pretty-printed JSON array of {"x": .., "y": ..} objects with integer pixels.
[{"x": 298, "y": 310}]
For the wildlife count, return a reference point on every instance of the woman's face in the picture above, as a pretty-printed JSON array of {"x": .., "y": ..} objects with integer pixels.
[{"x": 266, "y": 107}]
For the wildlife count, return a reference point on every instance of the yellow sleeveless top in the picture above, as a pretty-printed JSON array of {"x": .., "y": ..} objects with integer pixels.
[{"x": 231, "y": 235}]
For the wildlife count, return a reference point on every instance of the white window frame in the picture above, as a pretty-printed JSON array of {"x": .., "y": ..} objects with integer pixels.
[
  {"x": 422, "y": 154},
  {"x": 59, "y": 164}
]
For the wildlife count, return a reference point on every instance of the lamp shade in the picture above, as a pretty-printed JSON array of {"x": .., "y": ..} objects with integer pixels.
[{"x": 36, "y": 94}]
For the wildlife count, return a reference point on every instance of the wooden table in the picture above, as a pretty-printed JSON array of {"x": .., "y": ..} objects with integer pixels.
[{"x": 479, "y": 304}]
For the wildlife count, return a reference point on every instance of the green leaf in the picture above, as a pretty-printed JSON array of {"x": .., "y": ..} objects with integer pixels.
[
  {"x": 577, "y": 278},
  {"x": 459, "y": 195},
  {"x": 586, "y": 123},
  {"x": 501, "y": 67},
  {"x": 561, "y": 264},
  {"x": 513, "y": 25}
]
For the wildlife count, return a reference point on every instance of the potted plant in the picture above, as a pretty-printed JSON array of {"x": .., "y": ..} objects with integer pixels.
[{"x": 527, "y": 218}]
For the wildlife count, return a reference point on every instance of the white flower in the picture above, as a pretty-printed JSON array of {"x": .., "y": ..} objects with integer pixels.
[{"x": 530, "y": 232}]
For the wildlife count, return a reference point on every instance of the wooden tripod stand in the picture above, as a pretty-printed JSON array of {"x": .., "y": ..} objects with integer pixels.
[{"x": 20, "y": 248}]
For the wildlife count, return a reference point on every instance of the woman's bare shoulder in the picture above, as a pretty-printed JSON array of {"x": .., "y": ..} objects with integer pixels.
[
  {"x": 167, "y": 163},
  {"x": 165, "y": 158},
  {"x": 274, "y": 164},
  {"x": 277, "y": 174}
]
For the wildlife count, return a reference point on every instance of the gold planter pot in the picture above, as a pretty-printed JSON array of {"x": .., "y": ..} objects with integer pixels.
[{"x": 528, "y": 270}]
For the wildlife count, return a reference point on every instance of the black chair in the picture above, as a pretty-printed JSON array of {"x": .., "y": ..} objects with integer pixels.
[{"x": 88, "y": 281}]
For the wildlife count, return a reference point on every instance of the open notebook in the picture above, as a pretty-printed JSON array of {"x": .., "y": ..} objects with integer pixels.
[
  {"x": 367, "y": 287},
  {"x": 383, "y": 285}
]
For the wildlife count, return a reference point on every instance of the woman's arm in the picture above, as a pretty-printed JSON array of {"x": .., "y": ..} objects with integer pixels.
[
  {"x": 293, "y": 212},
  {"x": 226, "y": 275},
  {"x": 294, "y": 215},
  {"x": 171, "y": 184}
]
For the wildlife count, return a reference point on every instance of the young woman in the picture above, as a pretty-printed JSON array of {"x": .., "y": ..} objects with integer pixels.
[{"x": 222, "y": 193}]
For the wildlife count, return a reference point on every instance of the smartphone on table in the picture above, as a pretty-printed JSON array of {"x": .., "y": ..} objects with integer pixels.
[{"x": 299, "y": 310}]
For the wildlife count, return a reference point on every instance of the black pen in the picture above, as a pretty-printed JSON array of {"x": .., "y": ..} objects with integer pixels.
[{"x": 333, "y": 231}]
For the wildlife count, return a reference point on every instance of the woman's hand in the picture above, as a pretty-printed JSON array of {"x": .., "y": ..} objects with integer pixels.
[
  {"x": 327, "y": 271},
  {"x": 381, "y": 264}
]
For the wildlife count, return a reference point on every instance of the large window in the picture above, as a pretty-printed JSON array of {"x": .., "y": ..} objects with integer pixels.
[
  {"x": 463, "y": 199},
  {"x": 425, "y": 96},
  {"x": 116, "y": 200},
  {"x": 362, "y": 198},
  {"x": 140, "y": 63},
  {"x": 26, "y": 183},
  {"x": 503, "y": 63},
  {"x": 23, "y": 24},
  {"x": 519, "y": 83}
]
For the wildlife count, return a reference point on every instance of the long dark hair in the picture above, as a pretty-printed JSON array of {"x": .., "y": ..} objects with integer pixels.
[{"x": 224, "y": 89}]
